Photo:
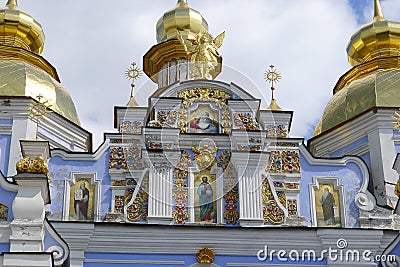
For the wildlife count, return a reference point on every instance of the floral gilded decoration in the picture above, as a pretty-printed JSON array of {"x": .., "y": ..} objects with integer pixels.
[
  {"x": 134, "y": 156},
  {"x": 271, "y": 211},
  {"x": 3, "y": 212},
  {"x": 117, "y": 158},
  {"x": 275, "y": 162},
  {"x": 137, "y": 209},
  {"x": 279, "y": 131},
  {"x": 192, "y": 95},
  {"x": 231, "y": 192},
  {"x": 291, "y": 161},
  {"x": 284, "y": 161},
  {"x": 292, "y": 186},
  {"x": 292, "y": 207},
  {"x": 165, "y": 119},
  {"x": 245, "y": 121},
  {"x": 38, "y": 165},
  {"x": 180, "y": 189},
  {"x": 282, "y": 197},
  {"x": 205, "y": 256},
  {"x": 119, "y": 204},
  {"x": 131, "y": 127}
]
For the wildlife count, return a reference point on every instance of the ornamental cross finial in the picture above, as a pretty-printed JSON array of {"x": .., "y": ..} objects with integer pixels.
[
  {"x": 133, "y": 73},
  {"x": 378, "y": 15},
  {"x": 273, "y": 76},
  {"x": 38, "y": 110},
  {"x": 12, "y": 4}
]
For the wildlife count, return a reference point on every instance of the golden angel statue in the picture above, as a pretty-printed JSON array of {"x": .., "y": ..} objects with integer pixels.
[{"x": 203, "y": 52}]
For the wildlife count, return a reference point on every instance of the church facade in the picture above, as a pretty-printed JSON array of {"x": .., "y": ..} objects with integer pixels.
[{"x": 201, "y": 176}]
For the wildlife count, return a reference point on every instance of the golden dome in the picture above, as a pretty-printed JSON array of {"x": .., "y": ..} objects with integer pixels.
[
  {"x": 19, "y": 29},
  {"x": 181, "y": 18},
  {"x": 373, "y": 82},
  {"x": 23, "y": 72},
  {"x": 380, "y": 38},
  {"x": 18, "y": 78},
  {"x": 379, "y": 89}
]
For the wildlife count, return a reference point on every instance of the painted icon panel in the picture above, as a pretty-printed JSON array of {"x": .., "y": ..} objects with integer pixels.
[
  {"x": 204, "y": 119},
  {"x": 82, "y": 200},
  {"x": 205, "y": 197},
  {"x": 328, "y": 210}
]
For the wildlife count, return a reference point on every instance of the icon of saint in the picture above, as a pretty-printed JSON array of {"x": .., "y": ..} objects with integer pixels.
[
  {"x": 328, "y": 203},
  {"x": 205, "y": 193},
  {"x": 81, "y": 202}
]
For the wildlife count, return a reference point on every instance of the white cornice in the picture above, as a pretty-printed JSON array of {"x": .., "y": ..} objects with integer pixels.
[
  {"x": 152, "y": 239},
  {"x": 352, "y": 131},
  {"x": 82, "y": 155}
]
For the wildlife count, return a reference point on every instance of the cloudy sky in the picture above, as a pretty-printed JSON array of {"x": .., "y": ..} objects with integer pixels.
[{"x": 93, "y": 42}]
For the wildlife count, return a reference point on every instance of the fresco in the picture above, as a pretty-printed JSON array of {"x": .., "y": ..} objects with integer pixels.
[{"x": 82, "y": 200}]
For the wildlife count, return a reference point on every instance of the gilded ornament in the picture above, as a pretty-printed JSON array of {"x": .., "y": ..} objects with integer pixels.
[
  {"x": 133, "y": 73},
  {"x": 38, "y": 165},
  {"x": 272, "y": 213},
  {"x": 38, "y": 110},
  {"x": 273, "y": 76},
  {"x": 202, "y": 94},
  {"x": 205, "y": 157},
  {"x": 202, "y": 51},
  {"x": 205, "y": 256}
]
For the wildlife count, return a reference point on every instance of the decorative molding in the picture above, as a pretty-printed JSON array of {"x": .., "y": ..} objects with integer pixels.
[{"x": 364, "y": 199}]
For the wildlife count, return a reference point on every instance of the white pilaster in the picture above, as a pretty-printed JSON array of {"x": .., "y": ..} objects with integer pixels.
[
  {"x": 22, "y": 128},
  {"x": 160, "y": 196},
  {"x": 249, "y": 167}
]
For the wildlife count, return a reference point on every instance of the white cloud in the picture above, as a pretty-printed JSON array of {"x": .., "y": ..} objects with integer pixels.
[{"x": 91, "y": 43}]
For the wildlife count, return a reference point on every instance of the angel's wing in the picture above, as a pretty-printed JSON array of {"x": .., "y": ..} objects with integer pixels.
[
  {"x": 188, "y": 44},
  {"x": 219, "y": 40}
]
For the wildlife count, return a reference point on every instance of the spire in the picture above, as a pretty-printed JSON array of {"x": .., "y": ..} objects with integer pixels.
[
  {"x": 378, "y": 16},
  {"x": 12, "y": 4}
]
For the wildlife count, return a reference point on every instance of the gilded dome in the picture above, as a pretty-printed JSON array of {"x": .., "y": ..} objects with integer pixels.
[
  {"x": 379, "y": 89},
  {"x": 23, "y": 72},
  {"x": 18, "y": 78},
  {"x": 374, "y": 80},
  {"x": 181, "y": 18},
  {"x": 19, "y": 29},
  {"x": 379, "y": 38}
]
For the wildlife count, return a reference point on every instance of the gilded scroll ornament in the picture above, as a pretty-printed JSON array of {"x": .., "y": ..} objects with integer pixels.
[
  {"x": 203, "y": 53},
  {"x": 38, "y": 165},
  {"x": 205, "y": 256}
]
